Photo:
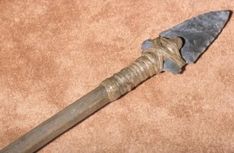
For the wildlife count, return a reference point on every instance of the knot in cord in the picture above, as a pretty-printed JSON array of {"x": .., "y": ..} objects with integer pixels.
[{"x": 152, "y": 61}]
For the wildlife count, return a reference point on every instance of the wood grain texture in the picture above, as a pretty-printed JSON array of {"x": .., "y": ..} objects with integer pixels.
[
  {"x": 59, "y": 123},
  {"x": 53, "y": 52}
]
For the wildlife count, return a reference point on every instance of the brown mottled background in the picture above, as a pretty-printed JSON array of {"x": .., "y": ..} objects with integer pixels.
[{"x": 54, "y": 51}]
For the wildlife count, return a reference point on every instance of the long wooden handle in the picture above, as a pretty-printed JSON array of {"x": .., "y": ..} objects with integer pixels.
[
  {"x": 59, "y": 123},
  {"x": 149, "y": 64}
]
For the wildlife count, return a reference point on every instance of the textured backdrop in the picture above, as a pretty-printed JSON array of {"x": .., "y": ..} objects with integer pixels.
[{"x": 54, "y": 51}]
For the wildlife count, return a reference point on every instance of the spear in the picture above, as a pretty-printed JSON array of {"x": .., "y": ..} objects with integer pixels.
[{"x": 171, "y": 51}]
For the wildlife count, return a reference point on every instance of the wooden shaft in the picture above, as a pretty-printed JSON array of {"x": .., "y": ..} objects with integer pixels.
[
  {"x": 59, "y": 123},
  {"x": 149, "y": 64}
]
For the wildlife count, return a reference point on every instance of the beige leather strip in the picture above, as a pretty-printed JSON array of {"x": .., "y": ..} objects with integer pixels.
[{"x": 149, "y": 64}]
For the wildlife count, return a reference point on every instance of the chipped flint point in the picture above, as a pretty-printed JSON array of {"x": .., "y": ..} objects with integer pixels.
[{"x": 198, "y": 33}]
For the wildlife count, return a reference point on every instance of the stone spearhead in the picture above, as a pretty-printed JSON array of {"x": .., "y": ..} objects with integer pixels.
[{"x": 197, "y": 35}]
